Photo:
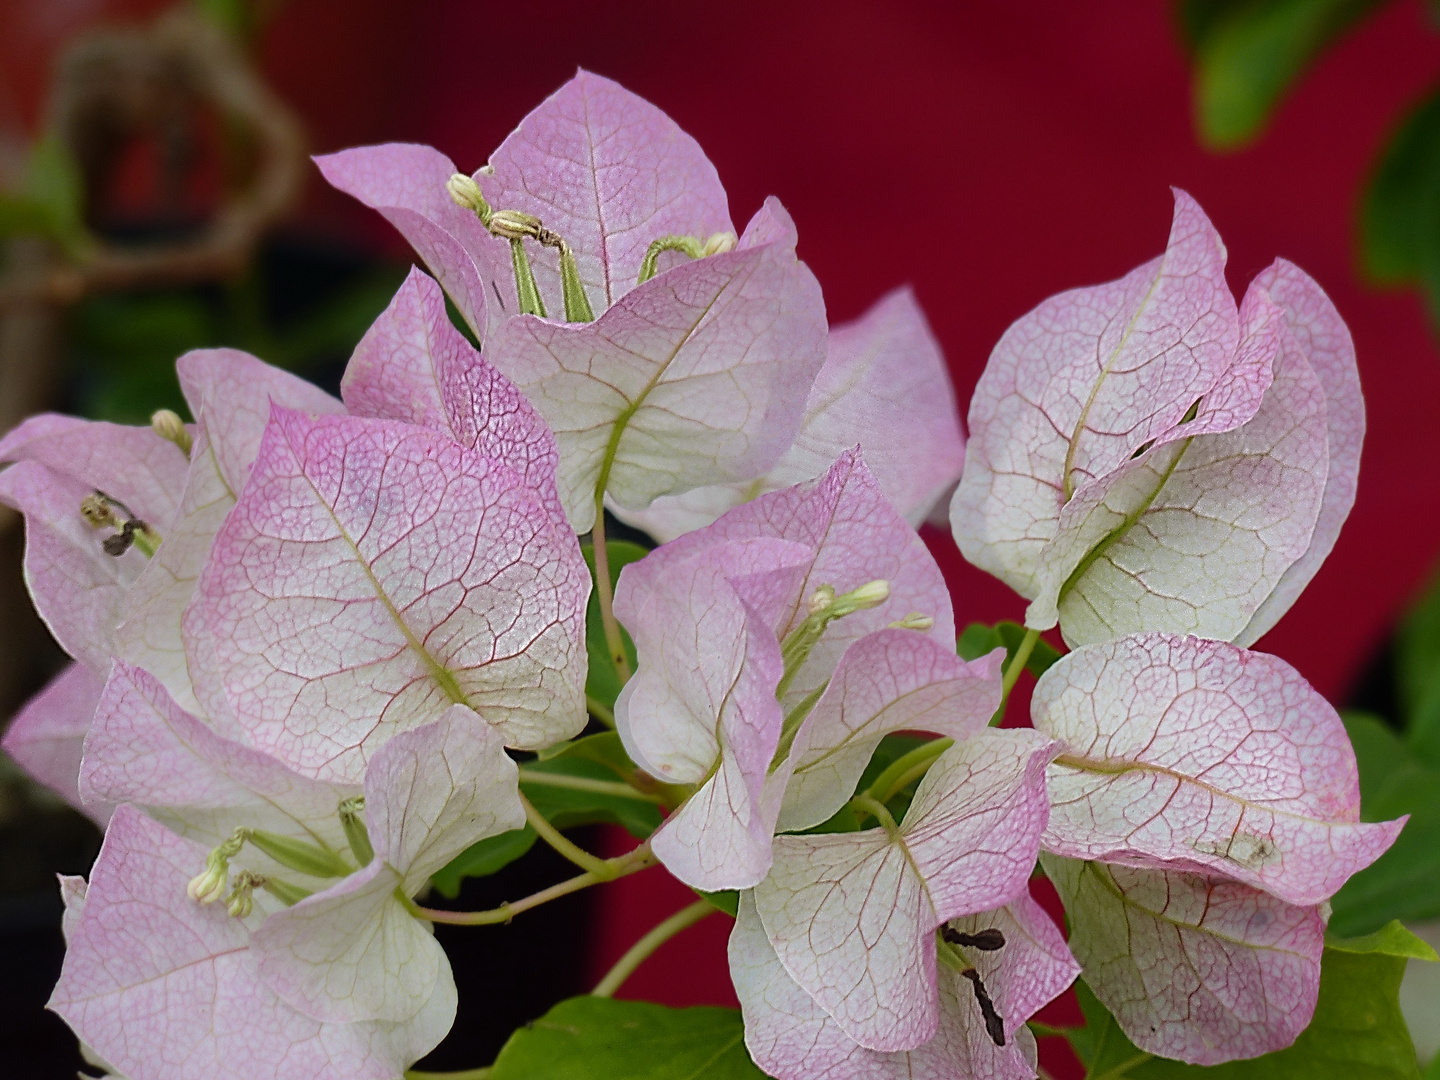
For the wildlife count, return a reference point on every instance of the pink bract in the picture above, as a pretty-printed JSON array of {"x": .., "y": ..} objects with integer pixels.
[
  {"x": 884, "y": 385},
  {"x": 852, "y": 916},
  {"x": 1193, "y": 966},
  {"x": 158, "y": 985},
  {"x": 1186, "y": 754},
  {"x": 1146, "y": 456},
  {"x": 374, "y": 573}
]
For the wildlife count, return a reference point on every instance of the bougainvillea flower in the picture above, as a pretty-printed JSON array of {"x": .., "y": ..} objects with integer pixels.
[
  {"x": 159, "y": 986},
  {"x": 1193, "y": 966},
  {"x": 413, "y": 365},
  {"x": 852, "y": 916},
  {"x": 720, "y": 620},
  {"x": 1196, "y": 755},
  {"x": 355, "y": 952},
  {"x": 372, "y": 574},
  {"x": 144, "y": 749},
  {"x": 46, "y": 737},
  {"x": 351, "y": 951},
  {"x": 1145, "y": 455},
  {"x": 790, "y": 1037},
  {"x": 884, "y": 385},
  {"x": 61, "y": 462},
  {"x": 695, "y": 376},
  {"x": 78, "y": 483},
  {"x": 230, "y": 394},
  {"x": 698, "y": 376}
]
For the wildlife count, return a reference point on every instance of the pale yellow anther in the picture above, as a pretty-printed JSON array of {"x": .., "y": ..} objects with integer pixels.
[
  {"x": 95, "y": 509},
  {"x": 209, "y": 885},
  {"x": 467, "y": 195},
  {"x": 167, "y": 424},
  {"x": 821, "y": 599},
  {"x": 913, "y": 621},
  {"x": 720, "y": 243},
  {"x": 515, "y": 224},
  {"x": 242, "y": 898}
]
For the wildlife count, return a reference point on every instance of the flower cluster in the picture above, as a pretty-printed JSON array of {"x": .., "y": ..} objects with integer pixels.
[{"x": 312, "y": 637}]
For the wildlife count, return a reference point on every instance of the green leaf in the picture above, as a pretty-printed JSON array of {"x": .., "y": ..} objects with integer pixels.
[
  {"x": 727, "y": 901},
  {"x": 603, "y": 682},
  {"x": 488, "y": 856},
  {"x": 53, "y": 200},
  {"x": 564, "y": 788},
  {"x": 1400, "y": 224},
  {"x": 1404, "y": 883},
  {"x": 977, "y": 639},
  {"x": 1358, "y": 1033},
  {"x": 1392, "y": 939},
  {"x": 605, "y": 1039},
  {"x": 1248, "y": 54}
]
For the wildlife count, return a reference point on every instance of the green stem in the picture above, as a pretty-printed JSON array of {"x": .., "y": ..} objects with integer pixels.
[
  {"x": 867, "y": 804},
  {"x": 906, "y": 768},
  {"x": 635, "y": 956},
  {"x": 599, "y": 709},
  {"x": 631, "y": 862},
  {"x": 617, "y": 788},
  {"x": 1048, "y": 1031},
  {"x": 579, "y": 856},
  {"x": 604, "y": 591},
  {"x": 1012, "y": 672}
]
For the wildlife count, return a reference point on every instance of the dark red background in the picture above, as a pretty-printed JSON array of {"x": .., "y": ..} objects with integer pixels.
[{"x": 990, "y": 153}]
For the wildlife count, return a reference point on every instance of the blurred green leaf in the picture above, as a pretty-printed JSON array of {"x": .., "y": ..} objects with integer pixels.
[
  {"x": 977, "y": 639},
  {"x": 603, "y": 682},
  {"x": 52, "y": 200},
  {"x": 605, "y": 1039},
  {"x": 1358, "y": 1032},
  {"x": 598, "y": 758},
  {"x": 1247, "y": 54},
  {"x": 1400, "y": 218},
  {"x": 482, "y": 859},
  {"x": 1404, "y": 883}
]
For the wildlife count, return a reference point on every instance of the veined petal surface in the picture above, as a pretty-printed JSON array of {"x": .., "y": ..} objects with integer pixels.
[
  {"x": 852, "y": 916},
  {"x": 1198, "y": 755},
  {"x": 47, "y": 735},
  {"x": 696, "y": 377},
  {"x": 1193, "y": 966},
  {"x": 375, "y": 573}
]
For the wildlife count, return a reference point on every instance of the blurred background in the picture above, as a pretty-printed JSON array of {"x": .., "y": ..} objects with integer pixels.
[{"x": 156, "y": 196}]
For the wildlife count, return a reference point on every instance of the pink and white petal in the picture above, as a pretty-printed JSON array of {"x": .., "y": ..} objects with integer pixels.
[
  {"x": 856, "y": 537},
  {"x": 672, "y": 516},
  {"x": 852, "y": 916},
  {"x": 708, "y": 667},
  {"x": 435, "y": 574},
  {"x": 160, "y": 986},
  {"x": 705, "y": 368},
  {"x": 132, "y": 464},
  {"x": 432, "y": 792},
  {"x": 234, "y": 391},
  {"x": 406, "y": 184},
  {"x": 891, "y": 680},
  {"x": 144, "y": 749},
  {"x": 1192, "y": 536},
  {"x": 704, "y": 697},
  {"x": 885, "y": 386},
  {"x": 610, "y": 173},
  {"x": 353, "y": 953},
  {"x": 1193, "y": 967},
  {"x": 1075, "y": 387},
  {"x": 1198, "y": 755},
  {"x": 413, "y": 365},
  {"x": 79, "y": 590},
  {"x": 792, "y": 1038},
  {"x": 47, "y": 735},
  {"x": 152, "y": 634},
  {"x": 1325, "y": 340},
  {"x": 974, "y": 826}
]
